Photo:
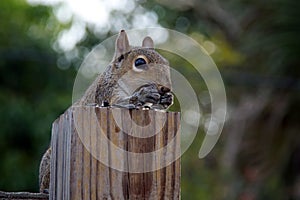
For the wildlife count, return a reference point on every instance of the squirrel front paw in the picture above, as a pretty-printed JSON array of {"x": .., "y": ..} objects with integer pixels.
[
  {"x": 152, "y": 96},
  {"x": 166, "y": 100}
]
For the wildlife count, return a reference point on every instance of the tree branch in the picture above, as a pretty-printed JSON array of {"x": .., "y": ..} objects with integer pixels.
[{"x": 213, "y": 11}]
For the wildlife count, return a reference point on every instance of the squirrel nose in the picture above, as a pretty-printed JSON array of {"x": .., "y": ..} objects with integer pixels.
[{"x": 163, "y": 89}]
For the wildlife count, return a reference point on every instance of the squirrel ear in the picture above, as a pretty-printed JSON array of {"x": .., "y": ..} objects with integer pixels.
[
  {"x": 122, "y": 44},
  {"x": 148, "y": 42}
]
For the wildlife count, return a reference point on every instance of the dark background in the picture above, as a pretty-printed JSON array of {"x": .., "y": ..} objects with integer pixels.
[{"x": 254, "y": 43}]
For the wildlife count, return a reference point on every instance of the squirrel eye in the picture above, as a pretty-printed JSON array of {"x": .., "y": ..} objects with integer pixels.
[{"x": 139, "y": 61}]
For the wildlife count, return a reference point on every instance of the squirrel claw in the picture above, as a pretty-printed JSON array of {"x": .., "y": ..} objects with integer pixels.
[
  {"x": 152, "y": 97},
  {"x": 166, "y": 99}
]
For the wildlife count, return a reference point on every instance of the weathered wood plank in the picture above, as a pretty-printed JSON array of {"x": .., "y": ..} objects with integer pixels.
[
  {"x": 23, "y": 195},
  {"x": 107, "y": 153}
]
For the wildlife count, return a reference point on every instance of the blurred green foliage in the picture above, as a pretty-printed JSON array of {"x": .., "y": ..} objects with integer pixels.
[
  {"x": 33, "y": 92},
  {"x": 256, "y": 47}
]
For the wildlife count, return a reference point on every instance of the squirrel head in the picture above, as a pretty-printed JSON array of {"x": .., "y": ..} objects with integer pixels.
[{"x": 138, "y": 66}]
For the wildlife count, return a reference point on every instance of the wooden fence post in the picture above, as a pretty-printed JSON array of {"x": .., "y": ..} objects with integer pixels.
[{"x": 113, "y": 153}]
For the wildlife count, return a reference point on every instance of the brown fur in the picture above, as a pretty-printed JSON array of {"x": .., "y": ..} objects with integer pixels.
[
  {"x": 44, "y": 172},
  {"x": 129, "y": 90}
]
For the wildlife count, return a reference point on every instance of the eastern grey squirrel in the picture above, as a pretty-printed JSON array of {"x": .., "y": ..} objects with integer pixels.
[{"x": 137, "y": 77}]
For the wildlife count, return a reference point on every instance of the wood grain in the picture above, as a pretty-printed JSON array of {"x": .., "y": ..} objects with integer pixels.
[
  {"x": 23, "y": 195},
  {"x": 94, "y": 150}
]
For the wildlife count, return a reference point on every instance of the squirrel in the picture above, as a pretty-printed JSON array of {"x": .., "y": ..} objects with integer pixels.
[{"x": 137, "y": 77}]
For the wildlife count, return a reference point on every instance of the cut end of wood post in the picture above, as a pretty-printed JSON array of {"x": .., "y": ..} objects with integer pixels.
[{"x": 113, "y": 153}]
